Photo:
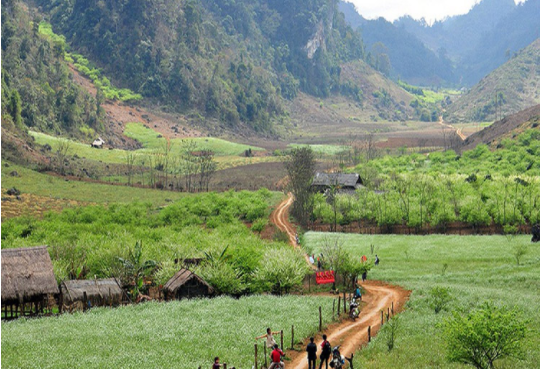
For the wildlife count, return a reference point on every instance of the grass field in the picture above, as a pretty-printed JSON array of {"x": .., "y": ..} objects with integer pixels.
[
  {"x": 152, "y": 143},
  {"x": 322, "y": 149},
  {"x": 36, "y": 183},
  {"x": 478, "y": 268},
  {"x": 179, "y": 334}
]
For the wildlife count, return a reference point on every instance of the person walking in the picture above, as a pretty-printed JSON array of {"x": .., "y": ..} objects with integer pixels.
[
  {"x": 311, "y": 353},
  {"x": 326, "y": 351},
  {"x": 270, "y": 341},
  {"x": 312, "y": 259},
  {"x": 376, "y": 260}
]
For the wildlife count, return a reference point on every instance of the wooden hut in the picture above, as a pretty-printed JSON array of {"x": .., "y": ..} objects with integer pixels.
[
  {"x": 186, "y": 284},
  {"x": 28, "y": 281},
  {"x": 100, "y": 292}
]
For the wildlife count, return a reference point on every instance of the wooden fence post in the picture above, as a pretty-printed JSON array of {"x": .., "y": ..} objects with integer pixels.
[
  {"x": 388, "y": 313},
  {"x": 344, "y": 302},
  {"x": 281, "y": 339},
  {"x": 85, "y": 301},
  {"x": 392, "y": 308},
  {"x": 256, "y": 356},
  {"x": 60, "y": 303},
  {"x": 369, "y": 334},
  {"x": 292, "y": 339},
  {"x": 265, "y": 356},
  {"x": 338, "y": 305},
  {"x": 333, "y": 308},
  {"x": 320, "y": 319},
  {"x": 382, "y": 317}
]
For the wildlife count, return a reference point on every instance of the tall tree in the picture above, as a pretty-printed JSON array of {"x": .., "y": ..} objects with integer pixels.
[{"x": 300, "y": 165}]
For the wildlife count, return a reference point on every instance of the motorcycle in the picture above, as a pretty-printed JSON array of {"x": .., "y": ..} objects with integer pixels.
[
  {"x": 354, "y": 311},
  {"x": 338, "y": 360}
]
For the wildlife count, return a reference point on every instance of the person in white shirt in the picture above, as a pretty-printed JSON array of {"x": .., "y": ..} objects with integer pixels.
[{"x": 270, "y": 342}]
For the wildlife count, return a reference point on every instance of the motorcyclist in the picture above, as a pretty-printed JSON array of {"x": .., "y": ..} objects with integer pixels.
[
  {"x": 357, "y": 293},
  {"x": 275, "y": 356},
  {"x": 353, "y": 308}
]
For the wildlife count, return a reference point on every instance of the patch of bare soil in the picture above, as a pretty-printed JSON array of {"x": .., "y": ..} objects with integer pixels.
[{"x": 119, "y": 113}]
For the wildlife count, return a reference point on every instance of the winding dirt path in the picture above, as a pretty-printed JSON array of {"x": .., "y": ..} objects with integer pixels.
[
  {"x": 350, "y": 335},
  {"x": 279, "y": 218}
]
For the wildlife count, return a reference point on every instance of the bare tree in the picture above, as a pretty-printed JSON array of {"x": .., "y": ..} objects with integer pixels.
[
  {"x": 206, "y": 168},
  {"x": 64, "y": 147},
  {"x": 130, "y": 160}
]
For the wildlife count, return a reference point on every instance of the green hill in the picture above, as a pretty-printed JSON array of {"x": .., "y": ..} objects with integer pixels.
[{"x": 510, "y": 88}]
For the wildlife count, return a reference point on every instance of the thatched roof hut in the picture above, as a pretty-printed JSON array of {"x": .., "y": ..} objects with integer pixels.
[
  {"x": 27, "y": 275},
  {"x": 99, "y": 291},
  {"x": 186, "y": 284}
]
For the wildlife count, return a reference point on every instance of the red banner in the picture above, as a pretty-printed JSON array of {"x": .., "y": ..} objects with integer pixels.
[{"x": 325, "y": 277}]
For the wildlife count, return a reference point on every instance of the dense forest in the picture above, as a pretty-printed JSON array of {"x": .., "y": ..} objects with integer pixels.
[
  {"x": 37, "y": 91},
  {"x": 231, "y": 60}
]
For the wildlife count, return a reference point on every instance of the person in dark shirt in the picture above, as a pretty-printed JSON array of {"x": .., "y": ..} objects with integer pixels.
[
  {"x": 325, "y": 353},
  {"x": 312, "y": 353},
  {"x": 217, "y": 364}
]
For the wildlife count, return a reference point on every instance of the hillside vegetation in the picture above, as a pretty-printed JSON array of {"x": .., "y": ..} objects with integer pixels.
[
  {"x": 234, "y": 61},
  {"x": 512, "y": 87}
]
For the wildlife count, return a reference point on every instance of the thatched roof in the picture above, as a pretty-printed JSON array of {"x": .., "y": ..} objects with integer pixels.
[
  {"x": 181, "y": 277},
  {"x": 26, "y": 273},
  {"x": 340, "y": 179},
  {"x": 97, "y": 290}
]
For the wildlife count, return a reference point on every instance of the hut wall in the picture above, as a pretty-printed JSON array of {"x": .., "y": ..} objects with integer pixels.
[{"x": 192, "y": 288}]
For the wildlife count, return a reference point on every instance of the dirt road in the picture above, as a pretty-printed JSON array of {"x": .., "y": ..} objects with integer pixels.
[
  {"x": 350, "y": 335},
  {"x": 279, "y": 218}
]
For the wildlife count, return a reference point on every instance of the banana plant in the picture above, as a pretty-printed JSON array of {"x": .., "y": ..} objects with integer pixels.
[{"x": 135, "y": 268}]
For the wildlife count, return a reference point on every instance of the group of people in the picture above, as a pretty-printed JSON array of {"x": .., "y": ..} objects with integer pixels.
[
  {"x": 311, "y": 349},
  {"x": 326, "y": 351}
]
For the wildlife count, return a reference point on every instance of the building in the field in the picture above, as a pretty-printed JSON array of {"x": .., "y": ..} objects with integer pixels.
[
  {"x": 186, "y": 284},
  {"x": 28, "y": 282},
  {"x": 99, "y": 292},
  {"x": 343, "y": 182}
]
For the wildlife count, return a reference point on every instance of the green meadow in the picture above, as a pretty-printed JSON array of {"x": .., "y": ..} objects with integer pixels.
[{"x": 473, "y": 268}]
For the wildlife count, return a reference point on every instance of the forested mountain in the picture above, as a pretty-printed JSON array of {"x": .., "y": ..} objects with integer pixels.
[
  {"x": 459, "y": 50},
  {"x": 512, "y": 87},
  {"x": 233, "y": 60},
  {"x": 37, "y": 91},
  {"x": 481, "y": 40},
  {"x": 513, "y": 32},
  {"x": 409, "y": 59}
]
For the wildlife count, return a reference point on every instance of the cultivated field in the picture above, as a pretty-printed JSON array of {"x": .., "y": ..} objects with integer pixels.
[
  {"x": 474, "y": 269},
  {"x": 178, "y": 334}
]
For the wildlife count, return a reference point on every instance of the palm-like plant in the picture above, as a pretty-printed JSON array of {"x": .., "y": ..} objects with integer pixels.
[{"x": 135, "y": 268}]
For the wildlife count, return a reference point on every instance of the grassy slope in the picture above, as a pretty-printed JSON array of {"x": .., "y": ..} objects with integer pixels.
[
  {"x": 179, "y": 334},
  {"x": 517, "y": 79},
  {"x": 152, "y": 143},
  {"x": 479, "y": 268},
  {"x": 36, "y": 183}
]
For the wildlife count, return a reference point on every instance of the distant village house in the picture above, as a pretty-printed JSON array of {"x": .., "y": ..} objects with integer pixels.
[{"x": 344, "y": 182}]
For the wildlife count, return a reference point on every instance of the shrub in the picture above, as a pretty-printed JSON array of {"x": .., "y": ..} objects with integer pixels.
[
  {"x": 484, "y": 335},
  {"x": 439, "y": 298}
]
